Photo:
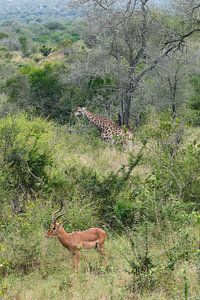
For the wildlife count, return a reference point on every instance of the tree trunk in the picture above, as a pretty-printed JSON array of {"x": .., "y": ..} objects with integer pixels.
[
  {"x": 173, "y": 110},
  {"x": 125, "y": 109},
  {"x": 127, "y": 99}
]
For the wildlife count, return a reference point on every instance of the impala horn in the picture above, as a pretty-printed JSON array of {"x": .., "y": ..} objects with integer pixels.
[{"x": 54, "y": 217}]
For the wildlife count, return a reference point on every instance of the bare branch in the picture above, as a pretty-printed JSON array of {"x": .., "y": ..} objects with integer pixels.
[{"x": 181, "y": 39}]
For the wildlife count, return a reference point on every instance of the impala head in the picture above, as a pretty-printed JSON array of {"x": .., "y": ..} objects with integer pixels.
[
  {"x": 55, "y": 226},
  {"x": 54, "y": 229},
  {"x": 80, "y": 111}
]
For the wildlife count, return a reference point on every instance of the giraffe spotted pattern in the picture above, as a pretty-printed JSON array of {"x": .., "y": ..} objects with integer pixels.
[{"x": 109, "y": 129}]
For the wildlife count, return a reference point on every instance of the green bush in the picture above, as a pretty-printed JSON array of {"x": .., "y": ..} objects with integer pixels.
[
  {"x": 40, "y": 90},
  {"x": 26, "y": 155},
  {"x": 194, "y": 102},
  {"x": 45, "y": 50},
  {"x": 4, "y": 35}
]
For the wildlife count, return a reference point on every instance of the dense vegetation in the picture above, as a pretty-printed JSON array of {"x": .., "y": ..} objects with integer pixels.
[
  {"x": 146, "y": 198},
  {"x": 37, "y": 10}
]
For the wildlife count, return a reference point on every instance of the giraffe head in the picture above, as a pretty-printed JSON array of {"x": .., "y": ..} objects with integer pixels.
[{"x": 80, "y": 111}]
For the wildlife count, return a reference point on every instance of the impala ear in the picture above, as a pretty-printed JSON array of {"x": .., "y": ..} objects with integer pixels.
[
  {"x": 60, "y": 225},
  {"x": 64, "y": 222}
]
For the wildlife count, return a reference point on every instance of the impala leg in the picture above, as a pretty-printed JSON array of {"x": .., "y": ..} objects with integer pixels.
[
  {"x": 76, "y": 260},
  {"x": 101, "y": 251}
]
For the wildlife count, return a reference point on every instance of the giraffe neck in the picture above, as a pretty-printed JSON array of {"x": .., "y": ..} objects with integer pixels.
[
  {"x": 95, "y": 120},
  {"x": 108, "y": 127}
]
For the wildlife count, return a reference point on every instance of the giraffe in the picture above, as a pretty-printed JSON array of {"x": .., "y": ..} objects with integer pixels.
[{"x": 109, "y": 129}]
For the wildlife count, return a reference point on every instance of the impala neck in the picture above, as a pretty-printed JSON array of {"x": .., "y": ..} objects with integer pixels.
[{"x": 63, "y": 236}]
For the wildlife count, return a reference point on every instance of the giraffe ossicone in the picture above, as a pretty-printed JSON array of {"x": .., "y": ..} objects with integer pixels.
[{"x": 110, "y": 131}]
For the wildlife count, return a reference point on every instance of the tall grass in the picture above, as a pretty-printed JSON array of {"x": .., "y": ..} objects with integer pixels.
[{"x": 53, "y": 277}]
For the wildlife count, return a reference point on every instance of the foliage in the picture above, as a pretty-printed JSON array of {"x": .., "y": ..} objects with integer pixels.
[
  {"x": 194, "y": 102},
  {"x": 25, "y": 157},
  {"x": 145, "y": 198},
  {"x": 55, "y": 25},
  {"x": 40, "y": 89},
  {"x": 37, "y": 160},
  {"x": 24, "y": 45},
  {"x": 3, "y": 35},
  {"x": 45, "y": 50}
]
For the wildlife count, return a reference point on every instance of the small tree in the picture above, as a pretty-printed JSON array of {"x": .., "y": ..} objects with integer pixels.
[
  {"x": 24, "y": 45},
  {"x": 45, "y": 50},
  {"x": 3, "y": 35}
]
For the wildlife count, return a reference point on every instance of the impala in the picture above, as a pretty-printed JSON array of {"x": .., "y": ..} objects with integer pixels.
[{"x": 92, "y": 238}]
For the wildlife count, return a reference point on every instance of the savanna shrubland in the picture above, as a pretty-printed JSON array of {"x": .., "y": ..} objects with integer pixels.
[{"x": 146, "y": 200}]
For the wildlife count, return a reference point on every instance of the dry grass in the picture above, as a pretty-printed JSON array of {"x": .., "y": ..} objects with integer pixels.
[{"x": 101, "y": 156}]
